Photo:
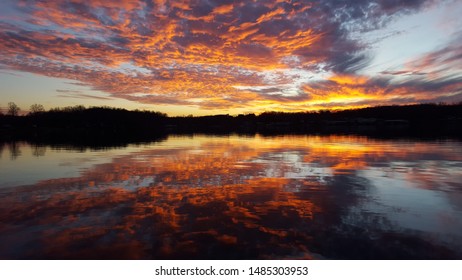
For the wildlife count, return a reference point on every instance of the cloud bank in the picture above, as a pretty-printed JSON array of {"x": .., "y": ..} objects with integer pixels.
[{"x": 255, "y": 55}]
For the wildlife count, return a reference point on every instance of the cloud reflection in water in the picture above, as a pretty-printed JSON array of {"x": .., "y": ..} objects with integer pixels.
[{"x": 210, "y": 197}]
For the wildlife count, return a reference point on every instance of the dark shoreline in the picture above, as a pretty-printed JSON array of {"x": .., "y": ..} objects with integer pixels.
[{"x": 101, "y": 126}]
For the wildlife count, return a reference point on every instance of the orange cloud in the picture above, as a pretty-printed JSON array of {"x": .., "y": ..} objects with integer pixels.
[{"x": 204, "y": 54}]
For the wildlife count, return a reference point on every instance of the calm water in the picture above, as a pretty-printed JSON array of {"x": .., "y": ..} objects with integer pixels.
[{"x": 233, "y": 197}]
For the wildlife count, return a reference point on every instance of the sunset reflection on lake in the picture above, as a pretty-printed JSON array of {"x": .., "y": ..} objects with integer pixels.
[{"x": 234, "y": 197}]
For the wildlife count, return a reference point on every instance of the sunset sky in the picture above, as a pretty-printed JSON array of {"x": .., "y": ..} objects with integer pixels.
[{"x": 211, "y": 57}]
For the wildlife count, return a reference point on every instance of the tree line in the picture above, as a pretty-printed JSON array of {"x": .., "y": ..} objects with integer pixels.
[
  {"x": 418, "y": 118},
  {"x": 107, "y": 122},
  {"x": 94, "y": 125}
]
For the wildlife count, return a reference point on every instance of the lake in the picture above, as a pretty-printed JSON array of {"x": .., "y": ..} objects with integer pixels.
[{"x": 233, "y": 197}]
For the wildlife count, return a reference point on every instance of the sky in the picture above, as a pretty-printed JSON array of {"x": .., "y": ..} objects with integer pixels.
[{"x": 205, "y": 57}]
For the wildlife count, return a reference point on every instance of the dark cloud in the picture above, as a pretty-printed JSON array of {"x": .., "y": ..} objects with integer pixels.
[
  {"x": 84, "y": 96},
  {"x": 254, "y": 50},
  {"x": 402, "y": 72},
  {"x": 285, "y": 98},
  {"x": 67, "y": 91},
  {"x": 434, "y": 85}
]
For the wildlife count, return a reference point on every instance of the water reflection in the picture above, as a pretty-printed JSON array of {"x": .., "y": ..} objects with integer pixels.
[
  {"x": 13, "y": 148},
  {"x": 39, "y": 150},
  {"x": 240, "y": 198}
]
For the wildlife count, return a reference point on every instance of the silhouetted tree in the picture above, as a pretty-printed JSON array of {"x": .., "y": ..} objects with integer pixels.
[
  {"x": 13, "y": 109},
  {"x": 36, "y": 109}
]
